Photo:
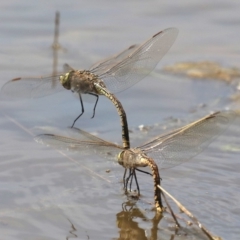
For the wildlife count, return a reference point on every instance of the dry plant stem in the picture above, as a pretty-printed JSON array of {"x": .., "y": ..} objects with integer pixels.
[
  {"x": 171, "y": 211},
  {"x": 194, "y": 219},
  {"x": 55, "y": 44}
]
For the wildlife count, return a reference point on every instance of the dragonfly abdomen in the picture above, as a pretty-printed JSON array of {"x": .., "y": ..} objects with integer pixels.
[
  {"x": 156, "y": 179},
  {"x": 103, "y": 91}
]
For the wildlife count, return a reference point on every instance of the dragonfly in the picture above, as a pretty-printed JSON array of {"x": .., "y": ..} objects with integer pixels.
[
  {"x": 107, "y": 77},
  {"x": 165, "y": 151}
]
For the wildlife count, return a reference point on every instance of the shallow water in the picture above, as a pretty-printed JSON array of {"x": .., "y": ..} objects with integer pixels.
[{"x": 47, "y": 195}]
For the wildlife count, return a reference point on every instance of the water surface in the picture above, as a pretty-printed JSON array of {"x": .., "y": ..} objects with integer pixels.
[{"x": 47, "y": 195}]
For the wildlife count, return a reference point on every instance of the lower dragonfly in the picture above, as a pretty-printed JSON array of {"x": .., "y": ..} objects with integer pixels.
[
  {"x": 167, "y": 150},
  {"x": 109, "y": 76}
]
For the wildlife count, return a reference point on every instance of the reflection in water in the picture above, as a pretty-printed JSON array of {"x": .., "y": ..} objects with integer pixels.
[
  {"x": 56, "y": 47},
  {"x": 131, "y": 219},
  {"x": 72, "y": 231},
  {"x": 129, "y": 227}
]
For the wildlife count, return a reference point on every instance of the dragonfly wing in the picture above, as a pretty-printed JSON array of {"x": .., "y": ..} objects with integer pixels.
[
  {"x": 140, "y": 63},
  {"x": 185, "y": 143},
  {"x": 85, "y": 144},
  {"x": 86, "y": 136},
  {"x": 23, "y": 88},
  {"x": 104, "y": 65},
  {"x": 67, "y": 68}
]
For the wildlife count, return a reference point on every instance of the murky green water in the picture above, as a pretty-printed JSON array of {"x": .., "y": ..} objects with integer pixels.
[{"x": 47, "y": 195}]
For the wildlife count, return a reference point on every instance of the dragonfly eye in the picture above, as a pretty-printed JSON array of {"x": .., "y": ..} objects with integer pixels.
[
  {"x": 65, "y": 80},
  {"x": 120, "y": 157}
]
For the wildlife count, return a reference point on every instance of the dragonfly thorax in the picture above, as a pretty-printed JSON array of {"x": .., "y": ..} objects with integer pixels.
[
  {"x": 132, "y": 158},
  {"x": 79, "y": 81}
]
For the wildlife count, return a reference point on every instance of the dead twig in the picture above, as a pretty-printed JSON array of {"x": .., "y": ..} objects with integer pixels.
[{"x": 190, "y": 215}]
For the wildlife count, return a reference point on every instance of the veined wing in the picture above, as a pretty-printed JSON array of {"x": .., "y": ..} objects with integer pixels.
[
  {"x": 23, "y": 88},
  {"x": 104, "y": 65},
  {"x": 86, "y": 136},
  {"x": 183, "y": 144},
  {"x": 86, "y": 144},
  {"x": 67, "y": 68},
  {"x": 139, "y": 63}
]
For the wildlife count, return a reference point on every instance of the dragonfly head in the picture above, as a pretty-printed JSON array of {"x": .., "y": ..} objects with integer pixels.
[
  {"x": 131, "y": 158},
  {"x": 65, "y": 80},
  {"x": 120, "y": 157},
  {"x": 126, "y": 158}
]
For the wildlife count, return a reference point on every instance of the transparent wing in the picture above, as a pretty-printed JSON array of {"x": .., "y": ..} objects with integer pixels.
[
  {"x": 67, "y": 68},
  {"x": 23, "y": 88},
  {"x": 139, "y": 63},
  {"x": 85, "y": 143},
  {"x": 183, "y": 144},
  {"x": 104, "y": 65}
]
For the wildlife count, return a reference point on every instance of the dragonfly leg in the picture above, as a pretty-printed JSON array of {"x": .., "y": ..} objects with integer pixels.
[
  {"x": 127, "y": 179},
  {"x": 124, "y": 181},
  {"x": 132, "y": 174},
  {"x": 135, "y": 177},
  {"x": 95, "y": 103},
  {"x": 143, "y": 171},
  {"x": 131, "y": 180},
  {"x": 80, "y": 98}
]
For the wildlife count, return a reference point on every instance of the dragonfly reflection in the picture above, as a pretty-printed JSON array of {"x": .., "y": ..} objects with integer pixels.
[
  {"x": 112, "y": 75},
  {"x": 128, "y": 223},
  {"x": 167, "y": 150}
]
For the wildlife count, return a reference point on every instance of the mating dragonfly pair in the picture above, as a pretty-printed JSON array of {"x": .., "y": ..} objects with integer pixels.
[{"x": 113, "y": 75}]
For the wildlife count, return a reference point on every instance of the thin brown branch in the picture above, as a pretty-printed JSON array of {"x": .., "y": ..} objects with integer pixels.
[
  {"x": 170, "y": 209},
  {"x": 191, "y": 216}
]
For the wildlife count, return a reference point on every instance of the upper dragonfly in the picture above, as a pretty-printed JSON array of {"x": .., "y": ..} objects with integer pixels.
[
  {"x": 112, "y": 75},
  {"x": 167, "y": 150}
]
